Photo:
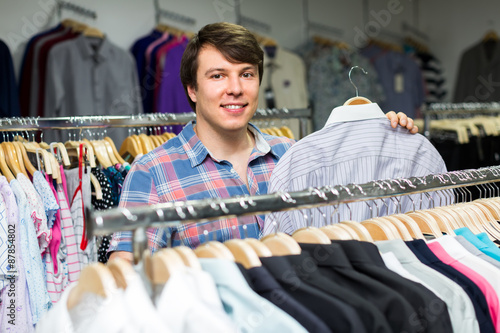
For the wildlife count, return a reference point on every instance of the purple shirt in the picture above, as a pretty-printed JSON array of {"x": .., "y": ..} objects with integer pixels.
[{"x": 171, "y": 95}]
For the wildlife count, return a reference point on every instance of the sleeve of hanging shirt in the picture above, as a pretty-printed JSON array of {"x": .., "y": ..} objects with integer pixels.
[
  {"x": 138, "y": 190},
  {"x": 54, "y": 87}
]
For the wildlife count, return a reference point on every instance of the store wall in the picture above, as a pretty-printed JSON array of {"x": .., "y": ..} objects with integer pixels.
[{"x": 451, "y": 26}]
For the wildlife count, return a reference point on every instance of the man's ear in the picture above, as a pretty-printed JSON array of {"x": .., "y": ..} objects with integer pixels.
[{"x": 192, "y": 93}]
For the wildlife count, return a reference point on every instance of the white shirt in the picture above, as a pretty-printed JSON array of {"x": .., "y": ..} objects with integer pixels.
[
  {"x": 357, "y": 145},
  {"x": 184, "y": 310},
  {"x": 392, "y": 262}
]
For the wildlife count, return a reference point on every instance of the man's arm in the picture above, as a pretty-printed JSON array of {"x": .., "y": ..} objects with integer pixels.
[{"x": 403, "y": 120}]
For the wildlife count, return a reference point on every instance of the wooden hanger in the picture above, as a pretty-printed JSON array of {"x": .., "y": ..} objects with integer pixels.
[
  {"x": 310, "y": 235},
  {"x": 100, "y": 152},
  {"x": 188, "y": 257},
  {"x": 443, "y": 222},
  {"x": 380, "y": 230},
  {"x": 93, "y": 32},
  {"x": 281, "y": 244},
  {"x": 403, "y": 232},
  {"x": 490, "y": 35},
  {"x": 11, "y": 158},
  {"x": 74, "y": 25},
  {"x": 147, "y": 146},
  {"x": 213, "y": 249},
  {"x": 95, "y": 279},
  {"x": 56, "y": 169},
  {"x": 358, "y": 100},
  {"x": 122, "y": 272},
  {"x": 73, "y": 146},
  {"x": 334, "y": 232},
  {"x": 27, "y": 163},
  {"x": 171, "y": 30},
  {"x": 163, "y": 264},
  {"x": 426, "y": 223},
  {"x": 260, "y": 248},
  {"x": 20, "y": 158},
  {"x": 111, "y": 144},
  {"x": 130, "y": 149},
  {"x": 411, "y": 226},
  {"x": 360, "y": 229},
  {"x": 243, "y": 253},
  {"x": 4, "y": 167},
  {"x": 354, "y": 235}
]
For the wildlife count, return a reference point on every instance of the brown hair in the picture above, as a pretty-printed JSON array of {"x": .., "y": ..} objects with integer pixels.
[{"x": 236, "y": 43}]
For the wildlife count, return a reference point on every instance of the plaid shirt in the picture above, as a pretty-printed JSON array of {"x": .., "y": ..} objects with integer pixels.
[{"x": 183, "y": 169}]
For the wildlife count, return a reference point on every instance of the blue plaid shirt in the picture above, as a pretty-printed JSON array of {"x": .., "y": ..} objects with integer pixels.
[{"x": 183, "y": 169}]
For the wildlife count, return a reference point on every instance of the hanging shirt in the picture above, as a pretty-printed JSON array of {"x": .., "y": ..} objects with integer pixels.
[
  {"x": 401, "y": 79},
  {"x": 357, "y": 145},
  {"x": 460, "y": 308},
  {"x": 87, "y": 76},
  {"x": 178, "y": 315},
  {"x": 183, "y": 169},
  {"x": 15, "y": 308},
  {"x": 26, "y": 197},
  {"x": 242, "y": 303},
  {"x": 481, "y": 282},
  {"x": 9, "y": 97},
  {"x": 138, "y": 50},
  {"x": 285, "y": 74},
  {"x": 493, "y": 252}
]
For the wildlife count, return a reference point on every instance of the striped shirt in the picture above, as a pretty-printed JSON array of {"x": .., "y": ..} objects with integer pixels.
[
  {"x": 357, "y": 145},
  {"x": 183, "y": 169}
]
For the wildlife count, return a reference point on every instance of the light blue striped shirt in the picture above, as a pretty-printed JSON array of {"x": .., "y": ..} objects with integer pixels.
[{"x": 357, "y": 145}]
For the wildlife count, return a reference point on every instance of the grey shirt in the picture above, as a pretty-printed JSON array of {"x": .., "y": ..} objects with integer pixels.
[
  {"x": 460, "y": 308},
  {"x": 90, "y": 76}
]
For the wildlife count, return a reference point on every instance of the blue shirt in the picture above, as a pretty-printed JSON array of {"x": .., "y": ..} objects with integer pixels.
[
  {"x": 9, "y": 97},
  {"x": 474, "y": 240},
  {"x": 405, "y": 96},
  {"x": 249, "y": 311}
]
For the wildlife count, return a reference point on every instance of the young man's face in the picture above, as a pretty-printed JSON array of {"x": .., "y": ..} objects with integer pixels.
[{"x": 227, "y": 93}]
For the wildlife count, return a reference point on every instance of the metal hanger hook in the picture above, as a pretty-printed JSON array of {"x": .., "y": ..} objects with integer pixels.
[{"x": 350, "y": 79}]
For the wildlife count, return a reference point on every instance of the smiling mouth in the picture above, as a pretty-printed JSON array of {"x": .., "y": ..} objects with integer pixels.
[{"x": 233, "y": 106}]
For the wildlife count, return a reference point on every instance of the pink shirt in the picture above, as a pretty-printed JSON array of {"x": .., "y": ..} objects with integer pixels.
[
  {"x": 481, "y": 282},
  {"x": 151, "y": 46}
]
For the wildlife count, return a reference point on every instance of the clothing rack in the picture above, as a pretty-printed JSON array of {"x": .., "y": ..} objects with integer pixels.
[
  {"x": 175, "y": 213},
  {"x": 141, "y": 120},
  {"x": 75, "y": 8},
  {"x": 160, "y": 12},
  {"x": 434, "y": 110}
]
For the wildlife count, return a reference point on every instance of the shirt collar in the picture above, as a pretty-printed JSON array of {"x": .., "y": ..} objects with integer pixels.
[
  {"x": 197, "y": 152},
  {"x": 347, "y": 113},
  {"x": 101, "y": 52}
]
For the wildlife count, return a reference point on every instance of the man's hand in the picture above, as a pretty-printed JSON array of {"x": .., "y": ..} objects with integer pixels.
[
  {"x": 128, "y": 256},
  {"x": 401, "y": 119}
]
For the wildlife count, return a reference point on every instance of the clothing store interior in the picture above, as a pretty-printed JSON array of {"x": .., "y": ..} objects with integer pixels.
[{"x": 118, "y": 213}]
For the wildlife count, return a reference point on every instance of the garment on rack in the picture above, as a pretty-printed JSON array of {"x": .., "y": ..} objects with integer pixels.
[
  {"x": 488, "y": 291},
  {"x": 9, "y": 96},
  {"x": 15, "y": 309},
  {"x": 476, "y": 252},
  {"x": 351, "y": 315},
  {"x": 197, "y": 297},
  {"x": 492, "y": 252},
  {"x": 432, "y": 73},
  {"x": 357, "y": 145},
  {"x": 460, "y": 307},
  {"x": 263, "y": 283},
  {"x": 400, "y": 77},
  {"x": 334, "y": 264},
  {"x": 284, "y": 80},
  {"x": 478, "y": 72},
  {"x": 86, "y": 76},
  {"x": 38, "y": 295},
  {"x": 183, "y": 169},
  {"x": 419, "y": 296},
  {"x": 428, "y": 258},
  {"x": 241, "y": 303}
]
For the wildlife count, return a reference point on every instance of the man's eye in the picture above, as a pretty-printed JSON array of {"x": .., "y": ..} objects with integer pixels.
[
  {"x": 216, "y": 76},
  {"x": 247, "y": 75}
]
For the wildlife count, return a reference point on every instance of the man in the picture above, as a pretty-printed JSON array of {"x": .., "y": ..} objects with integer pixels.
[{"x": 220, "y": 154}]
